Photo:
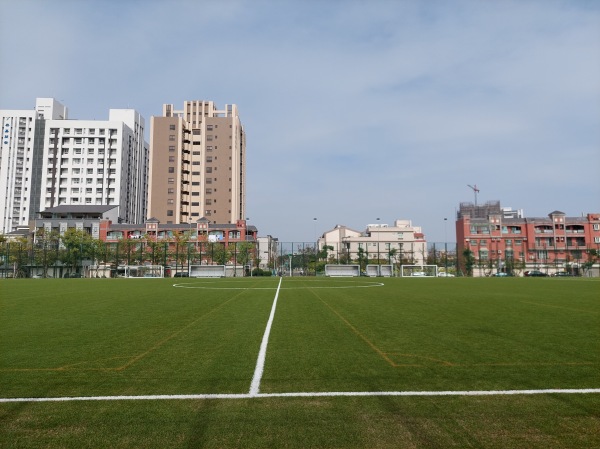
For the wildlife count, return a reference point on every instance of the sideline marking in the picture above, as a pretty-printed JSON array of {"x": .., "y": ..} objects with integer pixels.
[
  {"x": 306, "y": 395},
  {"x": 262, "y": 354}
]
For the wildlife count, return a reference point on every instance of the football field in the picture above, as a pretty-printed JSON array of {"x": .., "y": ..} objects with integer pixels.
[{"x": 300, "y": 362}]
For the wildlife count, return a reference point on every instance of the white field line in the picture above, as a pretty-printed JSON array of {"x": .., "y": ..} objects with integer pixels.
[
  {"x": 262, "y": 354},
  {"x": 305, "y": 395}
]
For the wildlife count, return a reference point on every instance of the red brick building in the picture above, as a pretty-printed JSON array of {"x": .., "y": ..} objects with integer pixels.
[{"x": 502, "y": 240}]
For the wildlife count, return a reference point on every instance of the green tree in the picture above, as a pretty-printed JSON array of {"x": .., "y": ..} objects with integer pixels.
[
  {"x": 79, "y": 245},
  {"x": 47, "y": 252},
  {"x": 219, "y": 253},
  {"x": 243, "y": 252},
  {"x": 469, "y": 261}
]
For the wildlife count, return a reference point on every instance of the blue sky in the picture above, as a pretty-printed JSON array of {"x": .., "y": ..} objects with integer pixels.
[{"x": 353, "y": 110}]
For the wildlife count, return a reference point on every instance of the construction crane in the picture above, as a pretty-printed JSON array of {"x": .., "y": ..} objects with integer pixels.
[{"x": 475, "y": 191}]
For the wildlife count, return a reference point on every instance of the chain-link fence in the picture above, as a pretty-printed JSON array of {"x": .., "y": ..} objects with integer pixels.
[{"x": 93, "y": 258}]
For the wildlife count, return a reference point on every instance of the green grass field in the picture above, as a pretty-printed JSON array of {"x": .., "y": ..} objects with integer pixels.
[{"x": 176, "y": 353}]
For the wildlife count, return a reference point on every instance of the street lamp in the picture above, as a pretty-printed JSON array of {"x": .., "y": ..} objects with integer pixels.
[
  {"x": 378, "y": 241},
  {"x": 446, "y": 244},
  {"x": 316, "y": 245}
]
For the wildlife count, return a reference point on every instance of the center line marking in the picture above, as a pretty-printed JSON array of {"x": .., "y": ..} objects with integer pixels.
[{"x": 262, "y": 354}]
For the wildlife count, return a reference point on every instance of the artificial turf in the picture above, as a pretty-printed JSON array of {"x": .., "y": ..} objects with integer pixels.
[{"x": 105, "y": 337}]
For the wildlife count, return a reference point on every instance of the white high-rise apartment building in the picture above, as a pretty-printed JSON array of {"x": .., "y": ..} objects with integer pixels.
[
  {"x": 21, "y": 150},
  {"x": 48, "y": 160},
  {"x": 94, "y": 162}
]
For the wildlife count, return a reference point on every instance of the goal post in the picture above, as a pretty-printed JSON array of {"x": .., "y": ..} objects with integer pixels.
[
  {"x": 427, "y": 271},
  {"x": 342, "y": 270},
  {"x": 207, "y": 271}
]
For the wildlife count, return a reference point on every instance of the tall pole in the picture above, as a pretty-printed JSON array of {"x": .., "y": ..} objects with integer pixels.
[
  {"x": 446, "y": 244},
  {"x": 378, "y": 241},
  {"x": 316, "y": 245}
]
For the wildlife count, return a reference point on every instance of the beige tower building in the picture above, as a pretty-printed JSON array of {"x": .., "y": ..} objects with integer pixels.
[{"x": 197, "y": 164}]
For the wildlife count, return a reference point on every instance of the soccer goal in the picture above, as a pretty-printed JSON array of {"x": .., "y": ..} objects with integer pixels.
[
  {"x": 140, "y": 271},
  {"x": 207, "y": 271},
  {"x": 427, "y": 271},
  {"x": 342, "y": 270}
]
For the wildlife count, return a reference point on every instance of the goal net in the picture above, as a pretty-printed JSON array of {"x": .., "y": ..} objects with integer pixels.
[
  {"x": 428, "y": 271},
  {"x": 140, "y": 271},
  {"x": 342, "y": 270},
  {"x": 207, "y": 271}
]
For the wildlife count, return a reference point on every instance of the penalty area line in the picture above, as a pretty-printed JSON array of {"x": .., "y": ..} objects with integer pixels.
[{"x": 306, "y": 395}]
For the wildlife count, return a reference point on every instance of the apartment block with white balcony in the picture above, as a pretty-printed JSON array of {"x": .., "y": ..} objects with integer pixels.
[
  {"x": 94, "y": 162},
  {"x": 21, "y": 151},
  {"x": 398, "y": 243}
]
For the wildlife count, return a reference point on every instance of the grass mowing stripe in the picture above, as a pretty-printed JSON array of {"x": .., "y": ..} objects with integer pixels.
[{"x": 382, "y": 354}]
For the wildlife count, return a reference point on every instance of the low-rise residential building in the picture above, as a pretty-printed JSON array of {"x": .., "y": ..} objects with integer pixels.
[
  {"x": 152, "y": 242},
  {"x": 379, "y": 244},
  {"x": 501, "y": 243}
]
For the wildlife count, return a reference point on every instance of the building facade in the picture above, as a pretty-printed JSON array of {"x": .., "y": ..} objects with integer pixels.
[
  {"x": 95, "y": 162},
  {"x": 400, "y": 243},
  {"x": 501, "y": 242},
  {"x": 48, "y": 160},
  {"x": 198, "y": 164},
  {"x": 21, "y": 156}
]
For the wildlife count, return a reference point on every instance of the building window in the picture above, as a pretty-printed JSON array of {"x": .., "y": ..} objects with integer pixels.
[
  {"x": 171, "y": 169},
  {"x": 169, "y": 212},
  {"x": 171, "y": 158},
  {"x": 171, "y": 180},
  {"x": 172, "y": 137},
  {"x": 170, "y": 191},
  {"x": 170, "y": 201},
  {"x": 195, "y": 204},
  {"x": 172, "y": 127},
  {"x": 171, "y": 148}
]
